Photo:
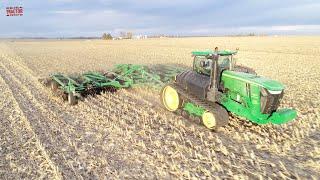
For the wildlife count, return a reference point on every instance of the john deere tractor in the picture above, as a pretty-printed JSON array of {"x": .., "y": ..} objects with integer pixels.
[{"x": 216, "y": 86}]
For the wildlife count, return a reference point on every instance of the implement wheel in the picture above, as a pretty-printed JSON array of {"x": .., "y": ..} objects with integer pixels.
[
  {"x": 54, "y": 85},
  {"x": 170, "y": 98},
  {"x": 72, "y": 99}
]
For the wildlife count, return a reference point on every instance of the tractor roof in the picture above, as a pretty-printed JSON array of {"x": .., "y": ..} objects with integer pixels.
[{"x": 208, "y": 52}]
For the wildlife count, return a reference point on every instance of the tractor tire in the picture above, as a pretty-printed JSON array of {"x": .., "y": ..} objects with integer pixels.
[
  {"x": 170, "y": 98},
  {"x": 72, "y": 99},
  {"x": 216, "y": 118},
  {"x": 54, "y": 86}
]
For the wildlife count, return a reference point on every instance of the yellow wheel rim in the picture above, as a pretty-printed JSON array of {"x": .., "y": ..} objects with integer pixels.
[
  {"x": 209, "y": 120},
  {"x": 170, "y": 98}
]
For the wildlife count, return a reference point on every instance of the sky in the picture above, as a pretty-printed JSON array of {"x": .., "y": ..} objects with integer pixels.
[{"x": 67, "y": 18}]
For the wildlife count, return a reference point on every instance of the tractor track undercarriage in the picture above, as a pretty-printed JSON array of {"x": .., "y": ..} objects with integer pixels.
[{"x": 215, "y": 108}]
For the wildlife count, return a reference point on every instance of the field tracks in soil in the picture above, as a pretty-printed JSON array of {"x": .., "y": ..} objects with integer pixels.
[
  {"x": 16, "y": 118},
  {"x": 129, "y": 134},
  {"x": 48, "y": 126}
]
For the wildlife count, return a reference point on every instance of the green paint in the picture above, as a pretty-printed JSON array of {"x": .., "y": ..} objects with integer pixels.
[
  {"x": 254, "y": 79},
  {"x": 243, "y": 94},
  {"x": 125, "y": 76},
  {"x": 152, "y": 75},
  {"x": 193, "y": 109},
  {"x": 99, "y": 80},
  {"x": 242, "y": 97},
  {"x": 87, "y": 80},
  {"x": 283, "y": 116},
  {"x": 67, "y": 84},
  {"x": 208, "y": 52}
]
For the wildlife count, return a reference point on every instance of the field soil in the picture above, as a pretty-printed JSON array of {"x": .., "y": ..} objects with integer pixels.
[{"x": 128, "y": 134}]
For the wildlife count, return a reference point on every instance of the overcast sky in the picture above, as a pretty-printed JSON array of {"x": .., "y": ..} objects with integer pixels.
[{"x": 62, "y": 18}]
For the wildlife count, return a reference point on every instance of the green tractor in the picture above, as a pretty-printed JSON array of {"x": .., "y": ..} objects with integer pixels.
[{"x": 216, "y": 86}]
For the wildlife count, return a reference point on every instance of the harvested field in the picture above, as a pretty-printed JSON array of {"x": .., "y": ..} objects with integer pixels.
[{"x": 129, "y": 135}]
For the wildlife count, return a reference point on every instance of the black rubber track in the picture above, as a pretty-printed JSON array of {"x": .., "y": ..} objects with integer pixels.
[{"x": 220, "y": 112}]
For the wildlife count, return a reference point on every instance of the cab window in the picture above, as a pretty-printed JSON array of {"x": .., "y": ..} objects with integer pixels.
[
  {"x": 202, "y": 65},
  {"x": 224, "y": 62}
]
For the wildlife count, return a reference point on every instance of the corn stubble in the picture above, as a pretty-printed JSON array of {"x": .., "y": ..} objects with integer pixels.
[{"x": 128, "y": 134}]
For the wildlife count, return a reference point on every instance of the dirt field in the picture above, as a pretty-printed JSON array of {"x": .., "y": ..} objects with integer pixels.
[{"x": 129, "y": 135}]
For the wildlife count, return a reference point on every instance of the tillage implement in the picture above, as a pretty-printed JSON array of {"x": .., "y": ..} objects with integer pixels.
[
  {"x": 72, "y": 88},
  {"x": 76, "y": 87}
]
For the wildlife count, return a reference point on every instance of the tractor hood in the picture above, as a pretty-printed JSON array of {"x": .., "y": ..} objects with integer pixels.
[{"x": 269, "y": 84}]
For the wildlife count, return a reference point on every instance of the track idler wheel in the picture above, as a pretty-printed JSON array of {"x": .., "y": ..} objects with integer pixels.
[
  {"x": 209, "y": 120},
  {"x": 170, "y": 98},
  {"x": 216, "y": 118}
]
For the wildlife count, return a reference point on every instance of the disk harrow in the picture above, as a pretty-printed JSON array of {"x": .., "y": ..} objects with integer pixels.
[
  {"x": 154, "y": 76},
  {"x": 73, "y": 88}
]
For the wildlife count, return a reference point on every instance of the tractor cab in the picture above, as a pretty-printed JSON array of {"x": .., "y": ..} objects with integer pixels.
[
  {"x": 212, "y": 64},
  {"x": 203, "y": 61},
  {"x": 216, "y": 80},
  {"x": 203, "y": 80}
]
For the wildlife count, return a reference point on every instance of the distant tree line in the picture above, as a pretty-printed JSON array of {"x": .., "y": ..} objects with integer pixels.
[
  {"x": 129, "y": 35},
  {"x": 122, "y": 35},
  {"x": 106, "y": 36}
]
